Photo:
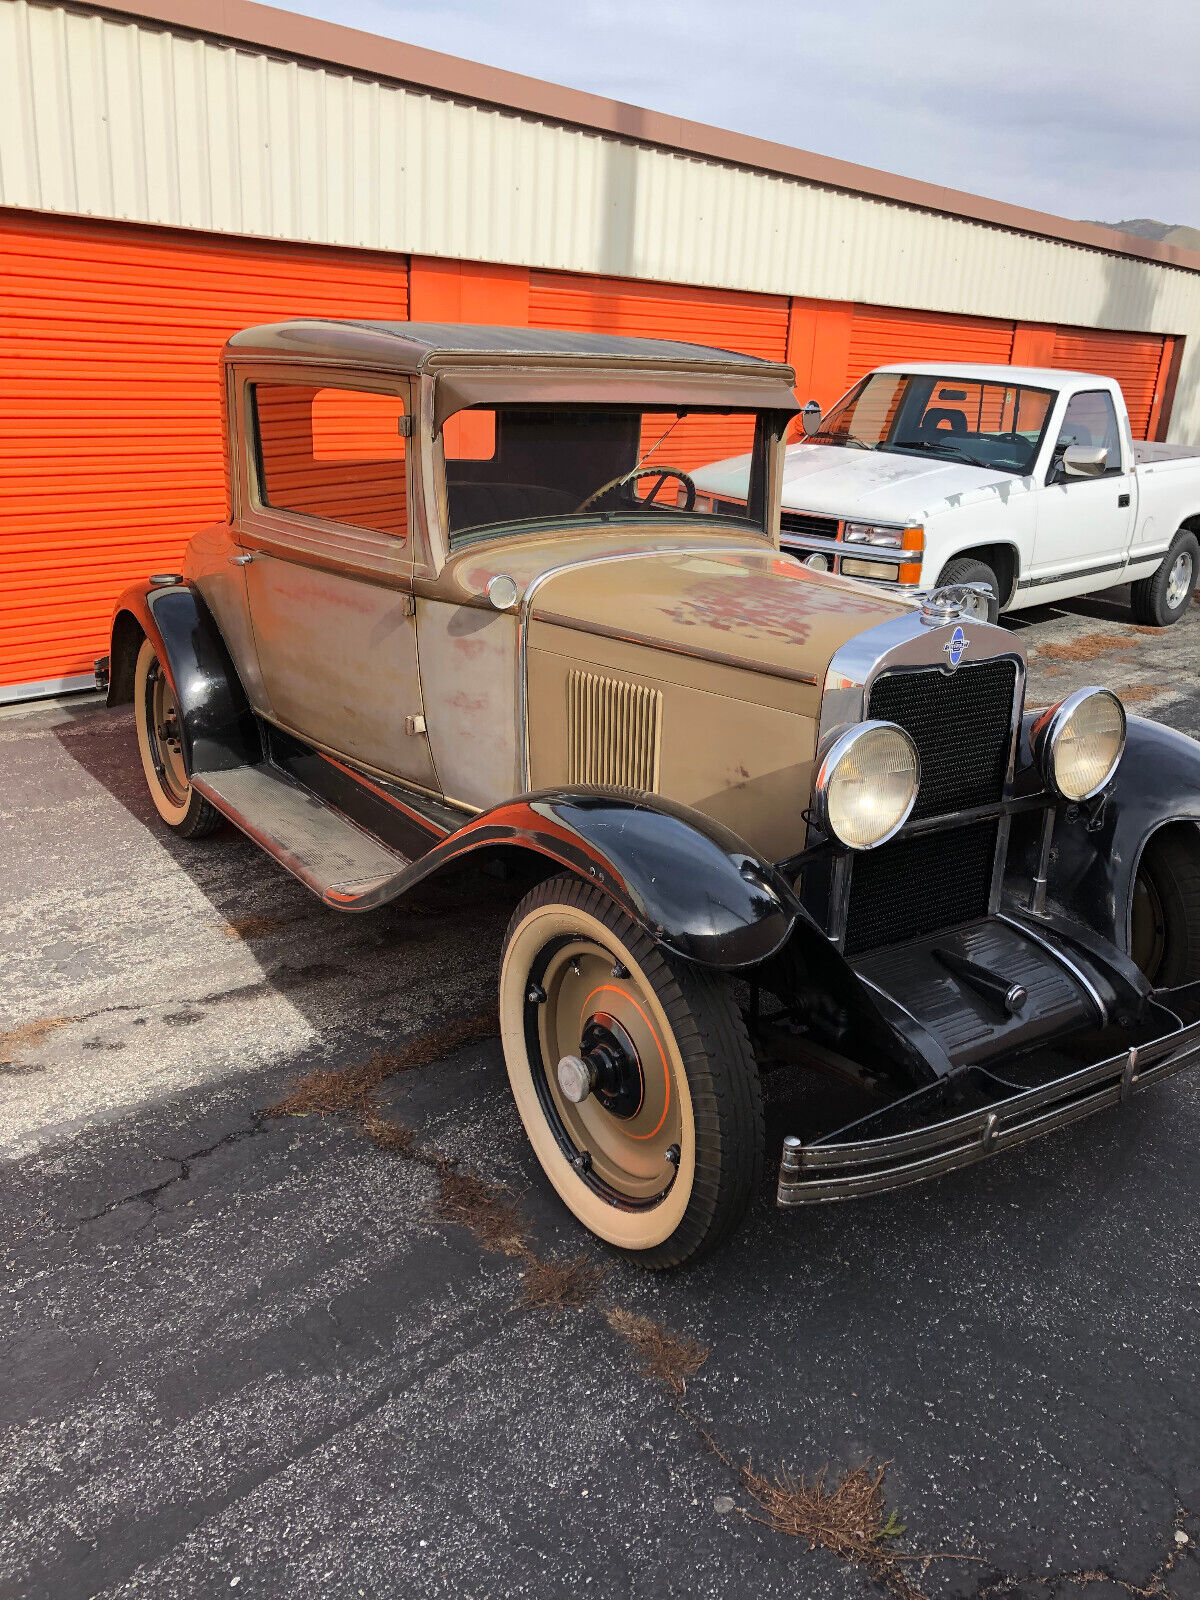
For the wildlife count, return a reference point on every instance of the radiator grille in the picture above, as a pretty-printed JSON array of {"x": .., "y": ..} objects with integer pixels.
[
  {"x": 613, "y": 731},
  {"x": 808, "y": 524},
  {"x": 912, "y": 887},
  {"x": 961, "y": 724}
]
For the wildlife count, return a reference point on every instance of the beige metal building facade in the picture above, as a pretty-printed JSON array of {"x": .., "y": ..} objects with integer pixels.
[{"x": 204, "y": 165}]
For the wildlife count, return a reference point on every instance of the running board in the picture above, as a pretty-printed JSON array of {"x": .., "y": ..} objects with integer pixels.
[{"x": 327, "y": 852}]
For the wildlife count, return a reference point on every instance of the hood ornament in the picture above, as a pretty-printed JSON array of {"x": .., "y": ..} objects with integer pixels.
[{"x": 950, "y": 603}]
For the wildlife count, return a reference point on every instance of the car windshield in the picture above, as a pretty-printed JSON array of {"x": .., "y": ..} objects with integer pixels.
[
  {"x": 588, "y": 466},
  {"x": 982, "y": 422}
]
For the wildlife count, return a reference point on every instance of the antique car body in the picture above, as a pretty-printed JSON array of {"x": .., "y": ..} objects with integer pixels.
[{"x": 394, "y": 655}]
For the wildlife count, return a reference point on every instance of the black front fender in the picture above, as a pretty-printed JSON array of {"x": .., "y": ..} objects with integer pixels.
[
  {"x": 218, "y": 729},
  {"x": 1096, "y": 851},
  {"x": 695, "y": 886}
]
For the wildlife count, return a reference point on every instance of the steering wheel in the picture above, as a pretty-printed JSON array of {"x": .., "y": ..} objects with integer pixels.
[{"x": 661, "y": 473}]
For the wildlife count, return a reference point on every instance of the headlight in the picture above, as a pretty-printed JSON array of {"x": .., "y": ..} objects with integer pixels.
[
  {"x": 1079, "y": 742},
  {"x": 869, "y": 533},
  {"x": 867, "y": 784}
]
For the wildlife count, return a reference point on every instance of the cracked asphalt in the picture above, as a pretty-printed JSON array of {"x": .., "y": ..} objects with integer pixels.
[{"x": 245, "y": 1353}]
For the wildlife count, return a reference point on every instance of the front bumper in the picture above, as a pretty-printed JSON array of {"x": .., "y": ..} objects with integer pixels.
[{"x": 853, "y": 1161}]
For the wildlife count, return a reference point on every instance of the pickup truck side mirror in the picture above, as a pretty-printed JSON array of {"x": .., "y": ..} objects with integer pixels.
[
  {"x": 1085, "y": 461},
  {"x": 810, "y": 418}
]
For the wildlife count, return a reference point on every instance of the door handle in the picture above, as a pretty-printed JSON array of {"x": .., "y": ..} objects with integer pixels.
[
  {"x": 242, "y": 561},
  {"x": 1122, "y": 499}
]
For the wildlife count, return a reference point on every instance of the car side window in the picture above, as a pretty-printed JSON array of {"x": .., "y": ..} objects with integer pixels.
[
  {"x": 333, "y": 453},
  {"x": 1091, "y": 419}
]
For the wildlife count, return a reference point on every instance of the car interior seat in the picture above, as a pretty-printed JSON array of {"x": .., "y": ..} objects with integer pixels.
[{"x": 943, "y": 419}]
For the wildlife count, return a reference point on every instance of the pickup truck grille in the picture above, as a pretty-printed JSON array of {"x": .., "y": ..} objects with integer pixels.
[
  {"x": 961, "y": 724},
  {"x": 808, "y": 525}
]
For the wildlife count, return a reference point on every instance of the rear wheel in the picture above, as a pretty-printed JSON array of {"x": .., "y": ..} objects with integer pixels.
[
  {"x": 965, "y": 569},
  {"x": 161, "y": 745},
  {"x": 633, "y": 1075},
  {"x": 1165, "y": 926},
  {"x": 1162, "y": 598}
]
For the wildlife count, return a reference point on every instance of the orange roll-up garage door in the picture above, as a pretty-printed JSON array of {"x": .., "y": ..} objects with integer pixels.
[
  {"x": 1133, "y": 359},
  {"x": 110, "y": 444},
  {"x": 882, "y": 337},
  {"x": 755, "y": 324}
]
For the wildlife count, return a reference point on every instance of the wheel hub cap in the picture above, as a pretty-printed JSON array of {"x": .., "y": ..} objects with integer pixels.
[
  {"x": 1179, "y": 584},
  {"x": 605, "y": 1076}
]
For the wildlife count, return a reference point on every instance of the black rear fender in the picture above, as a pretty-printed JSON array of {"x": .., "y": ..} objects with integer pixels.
[{"x": 218, "y": 728}]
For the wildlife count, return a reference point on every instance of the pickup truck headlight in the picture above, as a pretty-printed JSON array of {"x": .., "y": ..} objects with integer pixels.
[
  {"x": 1079, "y": 742},
  {"x": 868, "y": 533},
  {"x": 867, "y": 784}
]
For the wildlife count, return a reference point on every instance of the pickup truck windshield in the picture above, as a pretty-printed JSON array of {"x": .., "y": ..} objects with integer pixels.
[
  {"x": 586, "y": 466},
  {"x": 993, "y": 425}
]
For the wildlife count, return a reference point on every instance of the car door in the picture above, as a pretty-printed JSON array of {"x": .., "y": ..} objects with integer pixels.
[
  {"x": 326, "y": 546},
  {"x": 1084, "y": 524}
]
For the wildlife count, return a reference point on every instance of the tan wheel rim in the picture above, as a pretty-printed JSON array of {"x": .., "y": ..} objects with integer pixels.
[
  {"x": 159, "y": 739},
  {"x": 623, "y": 1159}
]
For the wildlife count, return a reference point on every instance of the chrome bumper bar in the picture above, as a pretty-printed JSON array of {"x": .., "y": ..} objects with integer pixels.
[{"x": 840, "y": 1166}]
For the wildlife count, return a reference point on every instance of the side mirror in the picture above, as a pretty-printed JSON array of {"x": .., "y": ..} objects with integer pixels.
[
  {"x": 1085, "y": 460},
  {"x": 810, "y": 418}
]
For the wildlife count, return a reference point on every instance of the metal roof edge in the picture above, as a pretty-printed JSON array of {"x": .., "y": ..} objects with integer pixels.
[{"x": 371, "y": 56}]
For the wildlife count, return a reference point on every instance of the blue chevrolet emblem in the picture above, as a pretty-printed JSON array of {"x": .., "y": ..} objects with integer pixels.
[{"x": 955, "y": 647}]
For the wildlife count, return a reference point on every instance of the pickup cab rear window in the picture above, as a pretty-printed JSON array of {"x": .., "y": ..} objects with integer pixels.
[{"x": 993, "y": 425}]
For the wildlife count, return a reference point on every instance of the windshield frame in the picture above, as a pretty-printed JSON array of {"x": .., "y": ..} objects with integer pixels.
[{"x": 960, "y": 455}]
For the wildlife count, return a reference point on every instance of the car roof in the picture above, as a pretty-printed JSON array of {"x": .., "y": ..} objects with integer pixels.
[
  {"x": 996, "y": 372},
  {"x": 414, "y": 346}
]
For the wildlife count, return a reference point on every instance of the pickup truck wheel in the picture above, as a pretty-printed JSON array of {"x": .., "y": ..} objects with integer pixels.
[
  {"x": 1162, "y": 598},
  {"x": 1165, "y": 925},
  {"x": 157, "y": 719},
  {"x": 965, "y": 569},
  {"x": 633, "y": 1075}
]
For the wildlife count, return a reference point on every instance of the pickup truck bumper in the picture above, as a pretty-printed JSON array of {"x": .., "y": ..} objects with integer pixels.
[{"x": 856, "y": 1161}]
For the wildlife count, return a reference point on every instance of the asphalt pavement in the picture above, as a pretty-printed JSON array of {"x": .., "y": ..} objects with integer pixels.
[{"x": 327, "y": 1354}]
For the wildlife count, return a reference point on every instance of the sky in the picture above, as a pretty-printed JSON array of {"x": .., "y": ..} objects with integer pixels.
[{"x": 1085, "y": 108}]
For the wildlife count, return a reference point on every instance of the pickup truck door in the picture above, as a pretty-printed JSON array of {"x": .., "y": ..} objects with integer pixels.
[
  {"x": 1084, "y": 524},
  {"x": 327, "y": 554}
]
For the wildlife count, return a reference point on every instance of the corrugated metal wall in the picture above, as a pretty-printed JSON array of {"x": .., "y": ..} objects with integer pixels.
[
  {"x": 108, "y": 118},
  {"x": 754, "y": 324},
  {"x": 881, "y": 336},
  {"x": 110, "y": 427},
  {"x": 1133, "y": 361},
  {"x": 110, "y": 414}
]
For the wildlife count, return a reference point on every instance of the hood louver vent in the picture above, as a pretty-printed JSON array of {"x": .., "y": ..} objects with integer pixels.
[{"x": 613, "y": 730}]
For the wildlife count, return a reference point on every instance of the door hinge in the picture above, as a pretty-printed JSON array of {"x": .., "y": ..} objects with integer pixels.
[
  {"x": 404, "y": 427},
  {"x": 410, "y": 606},
  {"x": 414, "y": 725}
]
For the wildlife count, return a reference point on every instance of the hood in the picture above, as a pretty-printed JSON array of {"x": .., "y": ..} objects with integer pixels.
[
  {"x": 753, "y": 607},
  {"x": 866, "y": 485}
]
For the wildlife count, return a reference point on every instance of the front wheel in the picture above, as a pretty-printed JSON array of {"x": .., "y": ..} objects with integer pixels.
[
  {"x": 161, "y": 746},
  {"x": 1165, "y": 924},
  {"x": 965, "y": 569},
  {"x": 633, "y": 1075}
]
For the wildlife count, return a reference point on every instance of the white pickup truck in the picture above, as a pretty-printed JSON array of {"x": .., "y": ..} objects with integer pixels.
[{"x": 1024, "y": 479}]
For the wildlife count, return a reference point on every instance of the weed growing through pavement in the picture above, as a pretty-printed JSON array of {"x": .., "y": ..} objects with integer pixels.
[
  {"x": 660, "y": 1354},
  {"x": 847, "y": 1520}
]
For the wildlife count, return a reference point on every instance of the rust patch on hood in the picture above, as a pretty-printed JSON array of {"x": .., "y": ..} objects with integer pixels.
[{"x": 749, "y": 608}]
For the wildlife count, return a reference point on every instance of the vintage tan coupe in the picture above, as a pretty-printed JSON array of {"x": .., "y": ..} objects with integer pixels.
[{"x": 464, "y": 602}]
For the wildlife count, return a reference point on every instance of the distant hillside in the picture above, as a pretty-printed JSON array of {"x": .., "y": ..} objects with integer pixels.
[{"x": 1164, "y": 232}]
